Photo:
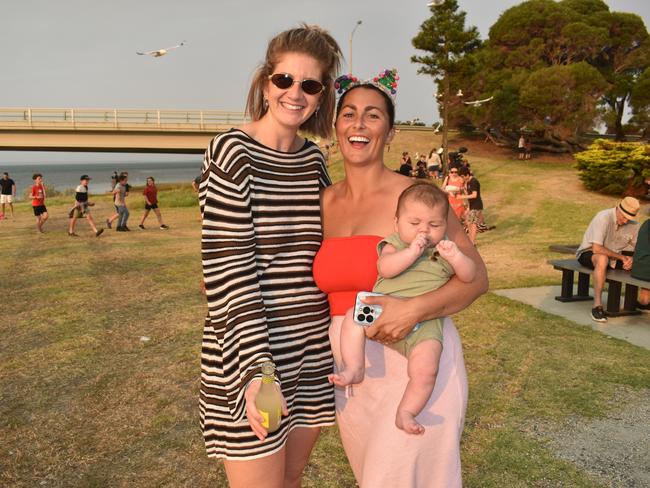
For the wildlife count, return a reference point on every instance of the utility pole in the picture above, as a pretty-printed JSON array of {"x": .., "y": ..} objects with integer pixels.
[
  {"x": 445, "y": 114},
  {"x": 351, "y": 36}
]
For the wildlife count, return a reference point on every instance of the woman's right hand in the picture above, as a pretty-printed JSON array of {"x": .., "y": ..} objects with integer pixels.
[
  {"x": 395, "y": 322},
  {"x": 255, "y": 419}
]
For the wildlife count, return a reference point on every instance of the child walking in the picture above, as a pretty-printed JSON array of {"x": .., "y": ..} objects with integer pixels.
[
  {"x": 38, "y": 201},
  {"x": 81, "y": 208},
  {"x": 412, "y": 261},
  {"x": 120, "y": 192},
  {"x": 151, "y": 203}
]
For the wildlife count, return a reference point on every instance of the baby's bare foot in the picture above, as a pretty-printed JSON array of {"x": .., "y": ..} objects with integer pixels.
[
  {"x": 346, "y": 377},
  {"x": 406, "y": 421}
]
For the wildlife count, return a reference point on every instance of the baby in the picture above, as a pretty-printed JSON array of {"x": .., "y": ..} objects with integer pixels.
[{"x": 412, "y": 261}]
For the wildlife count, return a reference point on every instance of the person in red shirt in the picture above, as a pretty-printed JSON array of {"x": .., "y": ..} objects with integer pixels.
[
  {"x": 151, "y": 203},
  {"x": 38, "y": 201}
]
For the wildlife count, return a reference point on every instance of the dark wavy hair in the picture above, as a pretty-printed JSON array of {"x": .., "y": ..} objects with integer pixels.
[{"x": 390, "y": 104}]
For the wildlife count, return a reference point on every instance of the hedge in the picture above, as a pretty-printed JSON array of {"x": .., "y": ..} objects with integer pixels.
[{"x": 615, "y": 168}]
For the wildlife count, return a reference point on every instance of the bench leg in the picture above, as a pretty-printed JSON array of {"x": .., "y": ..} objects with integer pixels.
[
  {"x": 567, "y": 287},
  {"x": 583, "y": 286},
  {"x": 614, "y": 298},
  {"x": 630, "y": 302},
  {"x": 566, "y": 295}
]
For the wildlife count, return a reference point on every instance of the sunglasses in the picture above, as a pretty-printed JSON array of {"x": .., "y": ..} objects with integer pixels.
[{"x": 284, "y": 81}]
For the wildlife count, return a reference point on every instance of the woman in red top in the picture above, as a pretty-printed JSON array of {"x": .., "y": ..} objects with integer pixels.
[
  {"x": 38, "y": 201},
  {"x": 357, "y": 213},
  {"x": 151, "y": 203}
]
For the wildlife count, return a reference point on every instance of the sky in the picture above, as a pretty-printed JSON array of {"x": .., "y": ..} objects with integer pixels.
[{"x": 82, "y": 53}]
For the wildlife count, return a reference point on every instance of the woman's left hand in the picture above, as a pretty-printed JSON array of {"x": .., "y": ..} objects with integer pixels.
[{"x": 397, "y": 319}]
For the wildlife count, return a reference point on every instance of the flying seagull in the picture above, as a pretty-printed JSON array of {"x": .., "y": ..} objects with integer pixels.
[
  {"x": 160, "y": 52},
  {"x": 478, "y": 103}
]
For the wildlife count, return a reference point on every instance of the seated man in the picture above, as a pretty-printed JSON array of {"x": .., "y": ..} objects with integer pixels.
[{"x": 609, "y": 241}]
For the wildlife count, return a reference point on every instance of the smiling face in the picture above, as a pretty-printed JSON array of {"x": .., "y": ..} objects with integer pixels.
[
  {"x": 363, "y": 126},
  {"x": 291, "y": 107},
  {"x": 417, "y": 217}
]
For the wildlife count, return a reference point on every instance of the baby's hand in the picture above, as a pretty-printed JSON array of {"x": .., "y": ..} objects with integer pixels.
[
  {"x": 420, "y": 242},
  {"x": 447, "y": 249}
]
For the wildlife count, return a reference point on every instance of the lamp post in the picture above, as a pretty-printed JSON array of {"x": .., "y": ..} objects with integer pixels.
[
  {"x": 445, "y": 97},
  {"x": 445, "y": 115},
  {"x": 351, "y": 36}
]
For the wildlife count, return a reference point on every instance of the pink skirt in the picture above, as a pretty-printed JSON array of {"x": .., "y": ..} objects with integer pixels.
[{"x": 380, "y": 454}]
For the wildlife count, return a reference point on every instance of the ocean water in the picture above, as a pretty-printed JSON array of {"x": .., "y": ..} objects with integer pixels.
[{"x": 64, "y": 176}]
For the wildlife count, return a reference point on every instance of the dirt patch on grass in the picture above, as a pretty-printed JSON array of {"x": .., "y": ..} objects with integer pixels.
[
  {"x": 614, "y": 449},
  {"x": 481, "y": 148}
]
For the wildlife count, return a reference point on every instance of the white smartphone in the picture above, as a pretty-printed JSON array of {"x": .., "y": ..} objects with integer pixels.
[{"x": 365, "y": 314}]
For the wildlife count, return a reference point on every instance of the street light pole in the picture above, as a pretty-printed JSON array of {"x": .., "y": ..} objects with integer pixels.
[
  {"x": 351, "y": 36},
  {"x": 445, "y": 98},
  {"x": 445, "y": 115}
]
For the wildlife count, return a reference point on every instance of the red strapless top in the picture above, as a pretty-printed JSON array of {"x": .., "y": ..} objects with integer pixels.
[{"x": 344, "y": 266}]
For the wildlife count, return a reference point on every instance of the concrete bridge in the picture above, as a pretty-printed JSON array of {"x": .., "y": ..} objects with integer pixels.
[{"x": 112, "y": 130}]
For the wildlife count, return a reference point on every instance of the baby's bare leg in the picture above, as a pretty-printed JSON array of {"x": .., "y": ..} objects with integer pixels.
[
  {"x": 422, "y": 369},
  {"x": 353, "y": 353}
]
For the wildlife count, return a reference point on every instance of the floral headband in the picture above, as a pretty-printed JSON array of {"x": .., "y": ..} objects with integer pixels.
[{"x": 386, "y": 81}]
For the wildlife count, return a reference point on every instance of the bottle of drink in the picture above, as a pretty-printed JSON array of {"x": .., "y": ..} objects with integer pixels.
[{"x": 268, "y": 400}]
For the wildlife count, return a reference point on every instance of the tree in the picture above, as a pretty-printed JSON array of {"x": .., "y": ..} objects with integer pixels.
[
  {"x": 622, "y": 60},
  {"x": 567, "y": 94},
  {"x": 444, "y": 37},
  {"x": 640, "y": 101},
  {"x": 555, "y": 69}
]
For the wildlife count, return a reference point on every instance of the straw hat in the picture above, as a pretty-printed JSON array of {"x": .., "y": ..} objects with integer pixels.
[{"x": 629, "y": 207}]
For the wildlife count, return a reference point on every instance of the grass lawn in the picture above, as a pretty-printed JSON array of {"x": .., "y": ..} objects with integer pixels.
[{"x": 86, "y": 400}]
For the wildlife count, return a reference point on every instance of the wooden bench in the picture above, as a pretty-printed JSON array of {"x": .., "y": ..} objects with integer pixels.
[{"x": 616, "y": 278}]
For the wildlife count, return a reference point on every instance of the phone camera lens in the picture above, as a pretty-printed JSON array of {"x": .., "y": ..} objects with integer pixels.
[
  {"x": 369, "y": 319},
  {"x": 366, "y": 310},
  {"x": 361, "y": 318}
]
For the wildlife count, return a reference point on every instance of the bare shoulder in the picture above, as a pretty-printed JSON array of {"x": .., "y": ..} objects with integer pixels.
[
  {"x": 331, "y": 195},
  {"x": 397, "y": 182},
  {"x": 334, "y": 190}
]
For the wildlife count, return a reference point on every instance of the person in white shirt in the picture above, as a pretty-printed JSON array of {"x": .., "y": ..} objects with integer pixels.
[{"x": 609, "y": 242}]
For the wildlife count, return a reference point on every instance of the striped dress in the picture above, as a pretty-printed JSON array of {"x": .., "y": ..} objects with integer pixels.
[{"x": 261, "y": 231}]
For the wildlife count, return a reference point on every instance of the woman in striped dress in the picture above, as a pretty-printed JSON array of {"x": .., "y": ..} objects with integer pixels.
[{"x": 259, "y": 198}]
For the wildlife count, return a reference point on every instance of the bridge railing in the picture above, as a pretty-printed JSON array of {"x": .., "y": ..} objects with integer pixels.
[{"x": 118, "y": 119}]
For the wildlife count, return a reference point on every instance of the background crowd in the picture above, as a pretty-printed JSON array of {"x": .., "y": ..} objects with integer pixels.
[
  {"x": 456, "y": 179},
  {"x": 81, "y": 206}
]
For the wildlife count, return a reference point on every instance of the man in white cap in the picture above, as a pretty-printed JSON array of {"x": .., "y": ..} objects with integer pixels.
[{"x": 609, "y": 241}]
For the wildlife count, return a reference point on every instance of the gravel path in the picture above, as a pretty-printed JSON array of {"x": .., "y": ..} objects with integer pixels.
[{"x": 614, "y": 449}]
